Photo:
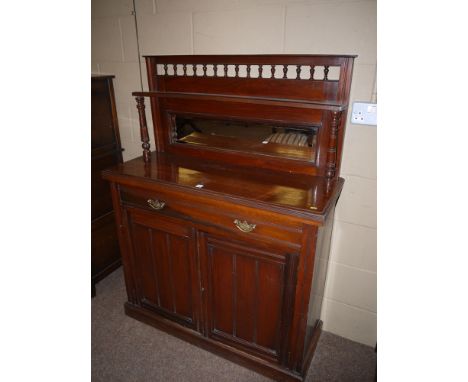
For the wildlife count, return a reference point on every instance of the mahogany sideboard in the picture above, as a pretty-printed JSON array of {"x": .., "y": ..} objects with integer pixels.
[
  {"x": 105, "y": 152},
  {"x": 225, "y": 228}
]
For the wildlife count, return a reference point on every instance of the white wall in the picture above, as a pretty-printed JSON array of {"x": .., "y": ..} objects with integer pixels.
[{"x": 268, "y": 26}]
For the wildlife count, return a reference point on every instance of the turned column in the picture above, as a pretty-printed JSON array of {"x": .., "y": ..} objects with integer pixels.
[
  {"x": 332, "y": 152},
  {"x": 143, "y": 129}
]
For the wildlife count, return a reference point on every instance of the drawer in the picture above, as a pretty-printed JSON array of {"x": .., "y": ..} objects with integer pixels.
[{"x": 204, "y": 211}]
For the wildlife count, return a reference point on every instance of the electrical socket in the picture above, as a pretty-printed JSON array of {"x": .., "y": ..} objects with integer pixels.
[{"x": 364, "y": 113}]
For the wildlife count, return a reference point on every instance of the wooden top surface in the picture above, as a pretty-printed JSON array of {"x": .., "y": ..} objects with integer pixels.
[
  {"x": 306, "y": 197},
  {"x": 101, "y": 76}
]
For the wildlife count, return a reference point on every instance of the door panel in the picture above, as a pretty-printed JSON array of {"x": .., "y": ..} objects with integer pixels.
[
  {"x": 245, "y": 295},
  {"x": 221, "y": 270},
  {"x": 270, "y": 287},
  {"x": 165, "y": 266}
]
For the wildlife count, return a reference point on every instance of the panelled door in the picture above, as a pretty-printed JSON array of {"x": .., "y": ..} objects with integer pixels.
[
  {"x": 248, "y": 294},
  {"x": 165, "y": 265}
]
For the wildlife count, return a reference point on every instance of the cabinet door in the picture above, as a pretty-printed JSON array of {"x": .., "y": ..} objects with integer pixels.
[
  {"x": 164, "y": 264},
  {"x": 248, "y": 295}
]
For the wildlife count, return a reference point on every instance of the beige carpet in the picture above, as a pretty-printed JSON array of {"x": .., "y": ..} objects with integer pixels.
[{"x": 127, "y": 350}]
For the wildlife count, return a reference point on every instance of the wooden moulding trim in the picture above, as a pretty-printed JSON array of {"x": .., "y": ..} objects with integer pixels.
[
  {"x": 258, "y": 364},
  {"x": 303, "y": 216},
  {"x": 257, "y": 59},
  {"x": 303, "y": 104}
]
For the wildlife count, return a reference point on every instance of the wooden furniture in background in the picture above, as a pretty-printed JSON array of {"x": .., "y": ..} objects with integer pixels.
[
  {"x": 105, "y": 152},
  {"x": 225, "y": 229}
]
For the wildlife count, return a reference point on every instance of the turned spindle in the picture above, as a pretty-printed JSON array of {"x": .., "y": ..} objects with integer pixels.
[
  {"x": 312, "y": 71},
  {"x": 326, "y": 69},
  {"x": 143, "y": 129},
  {"x": 298, "y": 72},
  {"x": 285, "y": 71}
]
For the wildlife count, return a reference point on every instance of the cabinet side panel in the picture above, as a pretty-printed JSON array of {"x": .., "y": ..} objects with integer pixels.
[{"x": 319, "y": 277}]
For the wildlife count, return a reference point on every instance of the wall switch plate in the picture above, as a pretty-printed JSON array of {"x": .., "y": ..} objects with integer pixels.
[{"x": 364, "y": 113}]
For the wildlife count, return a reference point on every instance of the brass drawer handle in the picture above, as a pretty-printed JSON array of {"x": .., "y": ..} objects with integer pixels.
[
  {"x": 244, "y": 226},
  {"x": 156, "y": 204}
]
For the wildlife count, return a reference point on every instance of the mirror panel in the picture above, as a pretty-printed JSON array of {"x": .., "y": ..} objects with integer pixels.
[{"x": 271, "y": 139}]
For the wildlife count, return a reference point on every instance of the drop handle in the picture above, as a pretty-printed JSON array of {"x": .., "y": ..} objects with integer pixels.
[
  {"x": 156, "y": 204},
  {"x": 244, "y": 226}
]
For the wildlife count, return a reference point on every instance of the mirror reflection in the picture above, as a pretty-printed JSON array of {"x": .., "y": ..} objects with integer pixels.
[{"x": 294, "y": 142}]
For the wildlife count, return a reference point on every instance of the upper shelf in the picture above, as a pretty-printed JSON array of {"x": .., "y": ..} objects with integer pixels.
[{"x": 304, "y": 104}]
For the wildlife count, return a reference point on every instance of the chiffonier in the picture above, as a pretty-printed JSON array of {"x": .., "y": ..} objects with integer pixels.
[
  {"x": 225, "y": 227},
  {"x": 105, "y": 152}
]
